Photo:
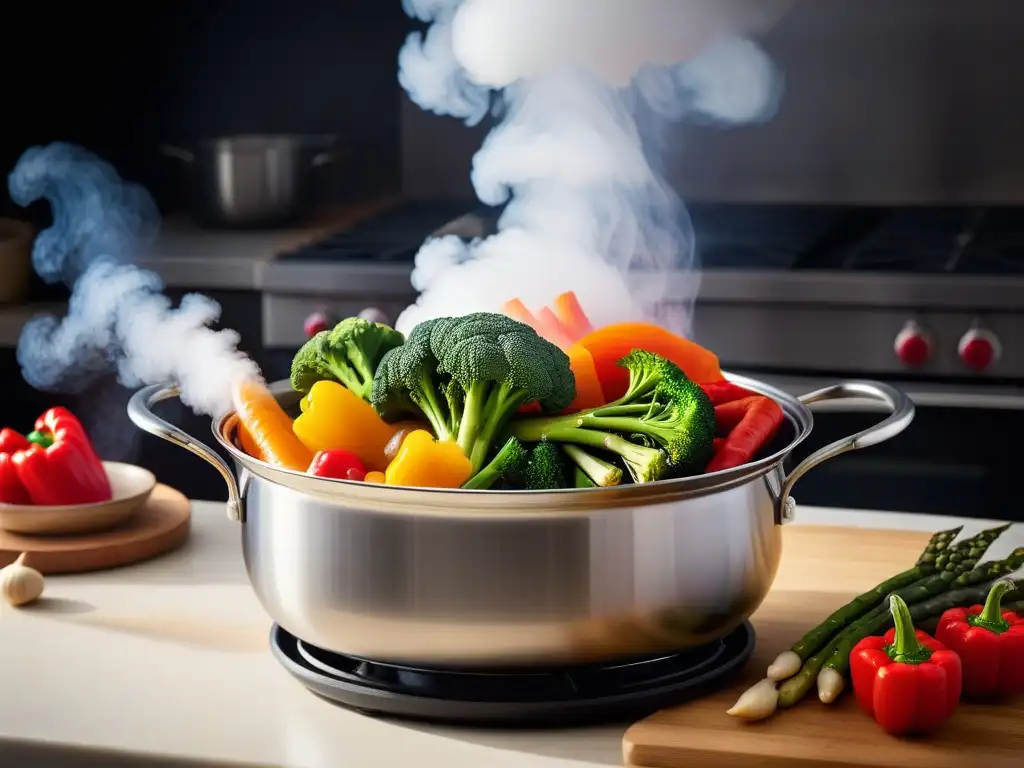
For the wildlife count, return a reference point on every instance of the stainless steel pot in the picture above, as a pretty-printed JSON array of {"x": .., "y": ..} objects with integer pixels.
[
  {"x": 246, "y": 181},
  {"x": 504, "y": 579}
]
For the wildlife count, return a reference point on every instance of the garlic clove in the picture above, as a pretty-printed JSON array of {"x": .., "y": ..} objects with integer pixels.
[
  {"x": 20, "y": 584},
  {"x": 757, "y": 702}
]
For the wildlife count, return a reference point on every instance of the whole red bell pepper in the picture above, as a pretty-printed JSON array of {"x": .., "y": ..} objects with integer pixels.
[
  {"x": 68, "y": 471},
  {"x": 12, "y": 441},
  {"x": 12, "y": 491},
  {"x": 907, "y": 681},
  {"x": 990, "y": 643}
]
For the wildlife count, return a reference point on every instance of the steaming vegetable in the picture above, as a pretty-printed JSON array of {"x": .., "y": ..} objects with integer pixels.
[
  {"x": 270, "y": 427},
  {"x": 423, "y": 462},
  {"x": 596, "y": 470},
  {"x": 506, "y": 466},
  {"x": 546, "y": 469},
  {"x": 608, "y": 345},
  {"x": 469, "y": 375},
  {"x": 751, "y": 423},
  {"x": 570, "y": 314},
  {"x": 588, "y": 388},
  {"x": 669, "y": 421},
  {"x": 349, "y": 354},
  {"x": 334, "y": 417}
]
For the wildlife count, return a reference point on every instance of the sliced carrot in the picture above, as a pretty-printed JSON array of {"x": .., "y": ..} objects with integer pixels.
[
  {"x": 611, "y": 343},
  {"x": 569, "y": 312},
  {"x": 270, "y": 427},
  {"x": 549, "y": 326},
  {"x": 515, "y": 309},
  {"x": 248, "y": 444},
  {"x": 588, "y": 388}
]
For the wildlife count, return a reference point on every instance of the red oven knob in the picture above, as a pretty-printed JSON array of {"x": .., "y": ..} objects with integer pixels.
[
  {"x": 912, "y": 346},
  {"x": 318, "y": 321},
  {"x": 979, "y": 348}
]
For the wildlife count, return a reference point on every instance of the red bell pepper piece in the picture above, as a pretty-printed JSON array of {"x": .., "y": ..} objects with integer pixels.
[
  {"x": 751, "y": 423},
  {"x": 60, "y": 424},
  {"x": 62, "y": 474},
  {"x": 338, "y": 464},
  {"x": 724, "y": 391},
  {"x": 907, "y": 681},
  {"x": 12, "y": 441},
  {"x": 11, "y": 489},
  {"x": 990, "y": 643}
]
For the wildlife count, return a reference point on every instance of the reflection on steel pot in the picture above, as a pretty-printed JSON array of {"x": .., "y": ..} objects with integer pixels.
[
  {"x": 503, "y": 579},
  {"x": 243, "y": 181}
]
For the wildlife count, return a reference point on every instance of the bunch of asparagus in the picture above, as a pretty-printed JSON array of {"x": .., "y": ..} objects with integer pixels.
[{"x": 946, "y": 575}]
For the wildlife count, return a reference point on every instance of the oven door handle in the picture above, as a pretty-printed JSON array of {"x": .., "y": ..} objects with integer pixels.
[{"x": 902, "y": 413}]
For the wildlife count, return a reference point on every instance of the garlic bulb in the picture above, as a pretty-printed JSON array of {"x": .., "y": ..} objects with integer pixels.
[{"x": 20, "y": 584}]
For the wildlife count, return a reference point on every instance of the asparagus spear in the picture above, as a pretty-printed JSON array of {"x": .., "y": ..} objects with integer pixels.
[
  {"x": 836, "y": 666},
  {"x": 958, "y": 560},
  {"x": 788, "y": 663}
]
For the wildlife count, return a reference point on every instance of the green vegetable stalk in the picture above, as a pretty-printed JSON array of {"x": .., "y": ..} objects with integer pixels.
[
  {"x": 664, "y": 425},
  {"x": 962, "y": 558}
]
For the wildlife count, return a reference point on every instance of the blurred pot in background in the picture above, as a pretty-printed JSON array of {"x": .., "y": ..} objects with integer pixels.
[
  {"x": 15, "y": 260},
  {"x": 253, "y": 180}
]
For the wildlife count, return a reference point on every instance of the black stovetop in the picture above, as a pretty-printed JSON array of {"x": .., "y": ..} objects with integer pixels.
[{"x": 957, "y": 240}]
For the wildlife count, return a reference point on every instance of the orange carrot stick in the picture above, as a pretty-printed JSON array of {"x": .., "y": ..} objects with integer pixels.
[
  {"x": 588, "y": 387},
  {"x": 269, "y": 427},
  {"x": 569, "y": 312},
  {"x": 515, "y": 309},
  {"x": 548, "y": 326},
  {"x": 248, "y": 444}
]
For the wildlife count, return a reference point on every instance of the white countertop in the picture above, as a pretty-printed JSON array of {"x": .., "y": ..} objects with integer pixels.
[{"x": 168, "y": 661}]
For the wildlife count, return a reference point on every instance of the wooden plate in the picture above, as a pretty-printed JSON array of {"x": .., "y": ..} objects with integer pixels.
[{"x": 131, "y": 486}]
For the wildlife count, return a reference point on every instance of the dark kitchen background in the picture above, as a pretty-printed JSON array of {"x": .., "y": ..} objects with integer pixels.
[{"x": 881, "y": 205}]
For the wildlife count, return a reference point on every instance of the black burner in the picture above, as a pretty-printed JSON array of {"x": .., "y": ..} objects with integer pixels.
[
  {"x": 551, "y": 697},
  {"x": 394, "y": 235}
]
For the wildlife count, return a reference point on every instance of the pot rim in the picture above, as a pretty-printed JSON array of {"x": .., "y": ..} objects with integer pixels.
[{"x": 573, "y": 501}]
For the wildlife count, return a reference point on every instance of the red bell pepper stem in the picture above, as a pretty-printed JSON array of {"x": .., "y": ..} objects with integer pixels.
[
  {"x": 905, "y": 648},
  {"x": 44, "y": 439},
  {"x": 991, "y": 616}
]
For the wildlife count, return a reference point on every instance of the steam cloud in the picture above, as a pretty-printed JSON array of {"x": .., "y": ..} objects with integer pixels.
[
  {"x": 118, "y": 318},
  {"x": 584, "y": 207}
]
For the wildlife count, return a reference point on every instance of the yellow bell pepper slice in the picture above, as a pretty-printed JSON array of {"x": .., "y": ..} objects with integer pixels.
[
  {"x": 334, "y": 417},
  {"x": 375, "y": 477},
  {"x": 423, "y": 462}
]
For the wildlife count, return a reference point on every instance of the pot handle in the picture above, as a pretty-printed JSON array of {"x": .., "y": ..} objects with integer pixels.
[
  {"x": 139, "y": 411},
  {"x": 902, "y": 408}
]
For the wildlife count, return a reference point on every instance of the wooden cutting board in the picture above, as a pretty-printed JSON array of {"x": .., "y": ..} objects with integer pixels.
[
  {"x": 822, "y": 568},
  {"x": 160, "y": 526}
]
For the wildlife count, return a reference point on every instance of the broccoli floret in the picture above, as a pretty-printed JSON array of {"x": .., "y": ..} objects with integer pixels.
[
  {"x": 545, "y": 469},
  {"x": 669, "y": 421},
  {"x": 597, "y": 471},
  {"x": 469, "y": 375},
  {"x": 507, "y": 465},
  {"x": 407, "y": 384},
  {"x": 349, "y": 354}
]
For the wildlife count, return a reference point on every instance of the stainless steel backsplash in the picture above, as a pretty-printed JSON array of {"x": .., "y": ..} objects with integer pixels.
[{"x": 886, "y": 101}]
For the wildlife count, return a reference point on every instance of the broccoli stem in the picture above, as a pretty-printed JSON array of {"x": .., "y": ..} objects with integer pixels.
[
  {"x": 426, "y": 400},
  {"x": 488, "y": 408},
  {"x": 600, "y": 471},
  {"x": 510, "y": 454},
  {"x": 632, "y": 409},
  {"x": 630, "y": 452},
  {"x": 473, "y": 409},
  {"x": 534, "y": 430}
]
